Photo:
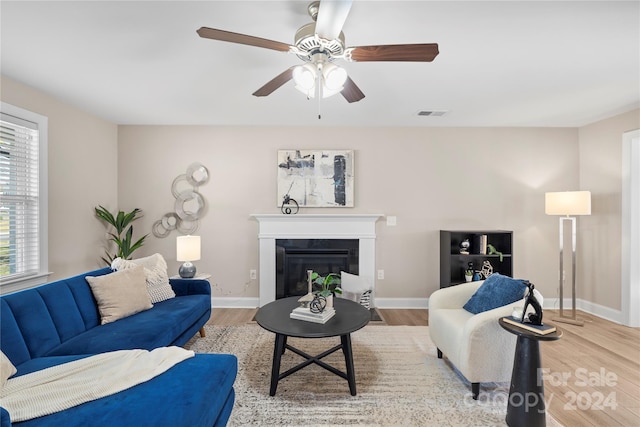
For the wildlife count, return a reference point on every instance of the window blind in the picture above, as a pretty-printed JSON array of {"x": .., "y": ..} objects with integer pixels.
[{"x": 19, "y": 194}]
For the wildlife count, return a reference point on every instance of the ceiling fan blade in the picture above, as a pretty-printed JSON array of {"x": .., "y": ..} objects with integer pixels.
[
  {"x": 351, "y": 92},
  {"x": 331, "y": 18},
  {"x": 228, "y": 36},
  {"x": 275, "y": 83},
  {"x": 425, "y": 52}
]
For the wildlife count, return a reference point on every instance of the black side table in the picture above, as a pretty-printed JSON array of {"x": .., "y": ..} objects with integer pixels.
[
  {"x": 526, "y": 394},
  {"x": 349, "y": 317}
]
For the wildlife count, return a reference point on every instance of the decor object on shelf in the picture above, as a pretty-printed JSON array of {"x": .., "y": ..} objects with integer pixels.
[
  {"x": 187, "y": 250},
  {"x": 316, "y": 178},
  {"x": 120, "y": 222},
  {"x": 493, "y": 251},
  {"x": 487, "y": 269},
  {"x": 566, "y": 203},
  {"x": 464, "y": 247},
  {"x": 189, "y": 207}
]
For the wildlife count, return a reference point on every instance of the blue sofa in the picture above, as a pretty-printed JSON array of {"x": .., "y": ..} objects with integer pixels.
[{"x": 59, "y": 322}]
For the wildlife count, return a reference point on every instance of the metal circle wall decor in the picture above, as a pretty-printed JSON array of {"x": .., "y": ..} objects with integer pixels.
[{"x": 190, "y": 205}]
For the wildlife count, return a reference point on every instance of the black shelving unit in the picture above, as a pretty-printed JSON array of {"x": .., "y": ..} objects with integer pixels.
[{"x": 453, "y": 263}]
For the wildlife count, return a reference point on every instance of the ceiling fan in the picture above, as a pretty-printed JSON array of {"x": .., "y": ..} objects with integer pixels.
[{"x": 319, "y": 44}]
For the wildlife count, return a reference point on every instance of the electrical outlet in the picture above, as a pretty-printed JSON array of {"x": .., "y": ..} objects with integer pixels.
[
  {"x": 380, "y": 274},
  {"x": 253, "y": 274},
  {"x": 392, "y": 221}
]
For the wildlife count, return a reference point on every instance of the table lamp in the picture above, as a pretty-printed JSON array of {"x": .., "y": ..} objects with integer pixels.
[
  {"x": 566, "y": 203},
  {"x": 187, "y": 250}
]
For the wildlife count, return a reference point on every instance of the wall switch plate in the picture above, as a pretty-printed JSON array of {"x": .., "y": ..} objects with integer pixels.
[
  {"x": 380, "y": 274},
  {"x": 392, "y": 221},
  {"x": 253, "y": 274}
]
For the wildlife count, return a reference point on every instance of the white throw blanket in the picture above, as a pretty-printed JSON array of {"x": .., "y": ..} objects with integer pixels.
[{"x": 70, "y": 384}]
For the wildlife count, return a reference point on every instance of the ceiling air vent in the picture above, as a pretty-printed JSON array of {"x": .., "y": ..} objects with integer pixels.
[{"x": 432, "y": 113}]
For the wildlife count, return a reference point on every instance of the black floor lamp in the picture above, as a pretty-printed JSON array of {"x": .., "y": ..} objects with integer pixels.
[{"x": 567, "y": 203}]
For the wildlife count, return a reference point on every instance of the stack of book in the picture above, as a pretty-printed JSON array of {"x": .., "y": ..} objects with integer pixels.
[
  {"x": 303, "y": 313},
  {"x": 536, "y": 329},
  {"x": 480, "y": 244}
]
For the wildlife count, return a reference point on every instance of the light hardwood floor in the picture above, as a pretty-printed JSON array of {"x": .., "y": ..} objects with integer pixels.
[{"x": 591, "y": 377}]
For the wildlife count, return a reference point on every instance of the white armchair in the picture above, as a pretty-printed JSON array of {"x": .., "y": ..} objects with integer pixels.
[{"x": 474, "y": 343}]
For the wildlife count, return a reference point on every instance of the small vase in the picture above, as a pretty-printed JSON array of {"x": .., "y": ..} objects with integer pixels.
[
  {"x": 330, "y": 301},
  {"x": 468, "y": 278}
]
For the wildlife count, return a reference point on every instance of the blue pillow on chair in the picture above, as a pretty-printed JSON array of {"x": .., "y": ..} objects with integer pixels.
[{"x": 496, "y": 291}]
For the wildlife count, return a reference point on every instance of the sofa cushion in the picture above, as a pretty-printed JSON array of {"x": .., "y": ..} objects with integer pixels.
[
  {"x": 120, "y": 294},
  {"x": 7, "y": 370},
  {"x": 194, "y": 392},
  {"x": 496, "y": 291},
  {"x": 147, "y": 330},
  {"x": 155, "y": 271}
]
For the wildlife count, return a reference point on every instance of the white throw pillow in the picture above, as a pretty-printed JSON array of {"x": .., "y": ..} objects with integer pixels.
[
  {"x": 7, "y": 370},
  {"x": 356, "y": 289},
  {"x": 155, "y": 271},
  {"x": 353, "y": 283},
  {"x": 120, "y": 294}
]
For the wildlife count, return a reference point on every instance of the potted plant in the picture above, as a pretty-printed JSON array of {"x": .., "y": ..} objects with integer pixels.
[
  {"x": 468, "y": 275},
  {"x": 328, "y": 286},
  {"x": 120, "y": 221}
]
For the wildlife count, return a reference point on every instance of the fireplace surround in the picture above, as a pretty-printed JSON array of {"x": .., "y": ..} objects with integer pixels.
[{"x": 272, "y": 227}]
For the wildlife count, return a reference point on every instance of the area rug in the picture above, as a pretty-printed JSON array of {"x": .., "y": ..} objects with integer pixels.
[{"x": 400, "y": 382}]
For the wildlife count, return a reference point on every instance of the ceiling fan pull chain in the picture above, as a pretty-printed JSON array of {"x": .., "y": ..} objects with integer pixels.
[{"x": 319, "y": 84}]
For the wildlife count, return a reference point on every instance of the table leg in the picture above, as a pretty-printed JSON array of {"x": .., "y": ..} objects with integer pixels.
[
  {"x": 348, "y": 359},
  {"x": 526, "y": 395},
  {"x": 278, "y": 349}
]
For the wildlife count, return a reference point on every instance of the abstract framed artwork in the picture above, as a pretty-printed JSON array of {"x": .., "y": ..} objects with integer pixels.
[{"x": 316, "y": 178}]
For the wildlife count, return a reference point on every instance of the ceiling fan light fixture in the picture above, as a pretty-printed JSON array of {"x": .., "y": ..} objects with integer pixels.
[
  {"x": 305, "y": 77},
  {"x": 334, "y": 77}
]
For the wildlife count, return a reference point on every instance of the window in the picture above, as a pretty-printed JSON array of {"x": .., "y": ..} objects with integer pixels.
[{"x": 23, "y": 198}]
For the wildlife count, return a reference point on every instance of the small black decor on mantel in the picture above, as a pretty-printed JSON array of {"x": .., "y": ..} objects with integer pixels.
[{"x": 289, "y": 205}]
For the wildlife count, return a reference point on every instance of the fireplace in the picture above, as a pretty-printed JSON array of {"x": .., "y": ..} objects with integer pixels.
[
  {"x": 273, "y": 227},
  {"x": 295, "y": 256}
]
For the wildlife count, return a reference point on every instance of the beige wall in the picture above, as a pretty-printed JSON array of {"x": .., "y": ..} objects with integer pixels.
[
  {"x": 82, "y": 174},
  {"x": 430, "y": 178},
  {"x": 600, "y": 233}
]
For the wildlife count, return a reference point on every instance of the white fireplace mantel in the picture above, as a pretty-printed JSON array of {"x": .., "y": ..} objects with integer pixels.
[{"x": 313, "y": 226}]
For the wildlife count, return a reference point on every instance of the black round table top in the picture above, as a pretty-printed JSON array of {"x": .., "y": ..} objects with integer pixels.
[
  {"x": 552, "y": 336},
  {"x": 350, "y": 316}
]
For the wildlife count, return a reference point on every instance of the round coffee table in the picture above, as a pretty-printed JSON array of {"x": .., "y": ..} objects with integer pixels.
[{"x": 349, "y": 317}]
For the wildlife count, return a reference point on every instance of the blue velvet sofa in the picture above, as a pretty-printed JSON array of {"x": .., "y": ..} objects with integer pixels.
[{"x": 59, "y": 322}]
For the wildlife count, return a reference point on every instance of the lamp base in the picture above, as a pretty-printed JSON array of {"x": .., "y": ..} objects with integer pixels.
[
  {"x": 187, "y": 270},
  {"x": 569, "y": 320}
]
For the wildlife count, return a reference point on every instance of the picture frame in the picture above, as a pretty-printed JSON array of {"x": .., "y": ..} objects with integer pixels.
[{"x": 316, "y": 178}]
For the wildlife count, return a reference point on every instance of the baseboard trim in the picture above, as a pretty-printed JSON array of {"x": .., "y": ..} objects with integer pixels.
[{"x": 423, "y": 303}]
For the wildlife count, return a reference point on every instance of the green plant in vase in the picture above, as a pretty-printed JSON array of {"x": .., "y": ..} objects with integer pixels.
[
  {"x": 123, "y": 239},
  {"x": 328, "y": 284}
]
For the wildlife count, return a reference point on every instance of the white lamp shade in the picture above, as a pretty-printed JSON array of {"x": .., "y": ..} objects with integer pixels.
[
  {"x": 567, "y": 203},
  {"x": 188, "y": 248}
]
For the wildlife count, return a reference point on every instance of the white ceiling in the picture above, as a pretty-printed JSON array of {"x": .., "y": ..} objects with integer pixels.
[{"x": 503, "y": 63}]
